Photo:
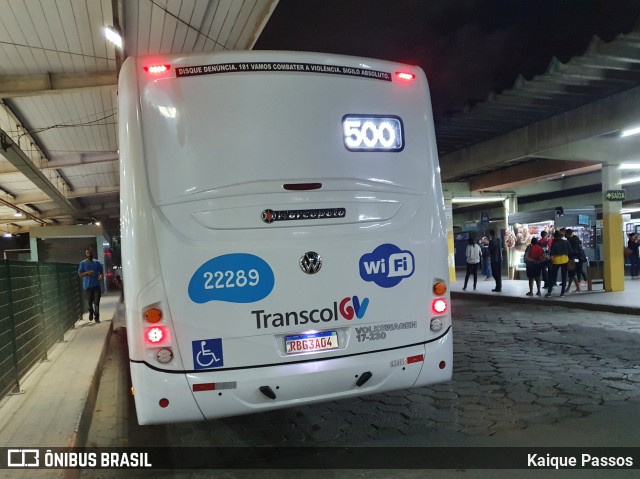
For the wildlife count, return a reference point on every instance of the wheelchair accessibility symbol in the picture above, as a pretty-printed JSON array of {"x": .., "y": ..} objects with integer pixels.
[{"x": 207, "y": 353}]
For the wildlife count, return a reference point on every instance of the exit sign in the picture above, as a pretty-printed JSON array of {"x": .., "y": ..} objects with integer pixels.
[{"x": 615, "y": 195}]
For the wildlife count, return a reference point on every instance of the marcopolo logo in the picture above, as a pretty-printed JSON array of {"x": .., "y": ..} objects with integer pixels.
[
  {"x": 386, "y": 265},
  {"x": 235, "y": 278},
  {"x": 348, "y": 308}
]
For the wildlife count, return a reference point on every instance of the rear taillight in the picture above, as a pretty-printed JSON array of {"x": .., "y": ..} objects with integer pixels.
[
  {"x": 405, "y": 76},
  {"x": 439, "y": 305},
  {"x": 157, "y": 69},
  {"x": 157, "y": 335}
]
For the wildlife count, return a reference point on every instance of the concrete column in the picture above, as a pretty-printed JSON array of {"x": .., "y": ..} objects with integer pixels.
[
  {"x": 33, "y": 246},
  {"x": 510, "y": 207},
  {"x": 613, "y": 236},
  {"x": 448, "y": 214}
]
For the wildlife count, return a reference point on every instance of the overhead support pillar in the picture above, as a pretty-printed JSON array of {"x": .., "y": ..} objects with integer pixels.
[
  {"x": 448, "y": 214},
  {"x": 613, "y": 240},
  {"x": 510, "y": 207}
]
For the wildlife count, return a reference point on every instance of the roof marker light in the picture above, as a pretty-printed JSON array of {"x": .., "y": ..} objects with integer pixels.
[
  {"x": 157, "y": 69},
  {"x": 407, "y": 76}
]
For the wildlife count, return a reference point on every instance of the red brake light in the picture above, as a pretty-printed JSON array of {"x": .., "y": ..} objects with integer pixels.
[
  {"x": 439, "y": 305},
  {"x": 406, "y": 76},
  {"x": 155, "y": 69},
  {"x": 156, "y": 335}
]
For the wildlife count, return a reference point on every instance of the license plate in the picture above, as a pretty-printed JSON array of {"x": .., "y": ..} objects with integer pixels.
[{"x": 303, "y": 343}]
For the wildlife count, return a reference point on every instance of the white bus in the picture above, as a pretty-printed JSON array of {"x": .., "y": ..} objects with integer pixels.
[{"x": 283, "y": 232}]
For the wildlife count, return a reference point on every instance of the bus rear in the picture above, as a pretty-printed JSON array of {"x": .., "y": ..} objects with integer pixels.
[{"x": 283, "y": 232}]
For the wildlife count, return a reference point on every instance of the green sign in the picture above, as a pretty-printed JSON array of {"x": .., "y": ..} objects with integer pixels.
[{"x": 615, "y": 195}]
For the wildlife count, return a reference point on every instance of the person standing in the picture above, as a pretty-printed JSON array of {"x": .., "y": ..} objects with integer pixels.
[
  {"x": 90, "y": 270},
  {"x": 485, "y": 258},
  {"x": 577, "y": 256},
  {"x": 473, "y": 253},
  {"x": 560, "y": 251},
  {"x": 545, "y": 242},
  {"x": 534, "y": 257},
  {"x": 495, "y": 253},
  {"x": 634, "y": 257}
]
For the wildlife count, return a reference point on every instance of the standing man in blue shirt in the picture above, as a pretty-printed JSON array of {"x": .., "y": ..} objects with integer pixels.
[{"x": 90, "y": 271}]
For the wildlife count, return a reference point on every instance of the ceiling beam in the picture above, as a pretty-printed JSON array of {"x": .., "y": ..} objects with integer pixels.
[
  {"x": 535, "y": 170},
  {"x": 68, "y": 161},
  {"x": 27, "y": 85},
  {"x": 533, "y": 140},
  {"x": 14, "y": 154},
  {"x": 29, "y": 198}
]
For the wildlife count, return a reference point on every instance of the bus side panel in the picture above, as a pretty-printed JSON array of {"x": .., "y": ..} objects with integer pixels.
[{"x": 141, "y": 266}]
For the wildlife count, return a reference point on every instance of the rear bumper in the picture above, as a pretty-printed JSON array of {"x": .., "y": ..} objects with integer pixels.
[{"x": 235, "y": 392}]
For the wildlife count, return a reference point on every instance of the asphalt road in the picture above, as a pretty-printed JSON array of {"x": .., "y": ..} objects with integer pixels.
[{"x": 538, "y": 376}]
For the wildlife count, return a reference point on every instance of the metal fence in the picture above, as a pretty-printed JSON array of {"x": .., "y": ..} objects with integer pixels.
[{"x": 39, "y": 302}]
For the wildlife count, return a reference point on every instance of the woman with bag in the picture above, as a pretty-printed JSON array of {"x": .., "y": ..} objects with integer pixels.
[{"x": 560, "y": 251}]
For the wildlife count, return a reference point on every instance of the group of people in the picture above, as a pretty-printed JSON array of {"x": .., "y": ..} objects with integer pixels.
[
  {"x": 489, "y": 256},
  {"x": 547, "y": 257},
  {"x": 544, "y": 259}
]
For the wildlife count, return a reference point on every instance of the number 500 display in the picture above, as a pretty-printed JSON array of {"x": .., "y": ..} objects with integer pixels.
[{"x": 372, "y": 133}]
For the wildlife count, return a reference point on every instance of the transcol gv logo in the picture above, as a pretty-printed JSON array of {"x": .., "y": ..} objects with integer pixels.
[
  {"x": 349, "y": 308},
  {"x": 386, "y": 265}
]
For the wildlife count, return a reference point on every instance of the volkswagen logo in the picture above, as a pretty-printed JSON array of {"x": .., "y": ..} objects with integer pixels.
[{"x": 311, "y": 262}]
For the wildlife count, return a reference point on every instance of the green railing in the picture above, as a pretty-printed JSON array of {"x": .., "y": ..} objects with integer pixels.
[{"x": 39, "y": 302}]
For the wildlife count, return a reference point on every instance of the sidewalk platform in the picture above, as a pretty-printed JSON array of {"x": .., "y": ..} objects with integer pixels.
[
  {"x": 55, "y": 405},
  {"x": 514, "y": 291}
]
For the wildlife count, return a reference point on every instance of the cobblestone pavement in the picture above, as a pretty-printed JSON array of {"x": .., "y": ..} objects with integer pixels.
[{"x": 515, "y": 371}]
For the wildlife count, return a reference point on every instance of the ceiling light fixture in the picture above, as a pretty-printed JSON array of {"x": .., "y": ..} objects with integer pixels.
[
  {"x": 17, "y": 214},
  {"x": 113, "y": 36},
  {"x": 630, "y": 132},
  {"x": 477, "y": 199},
  {"x": 630, "y": 166},
  {"x": 627, "y": 181},
  {"x": 625, "y": 211}
]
